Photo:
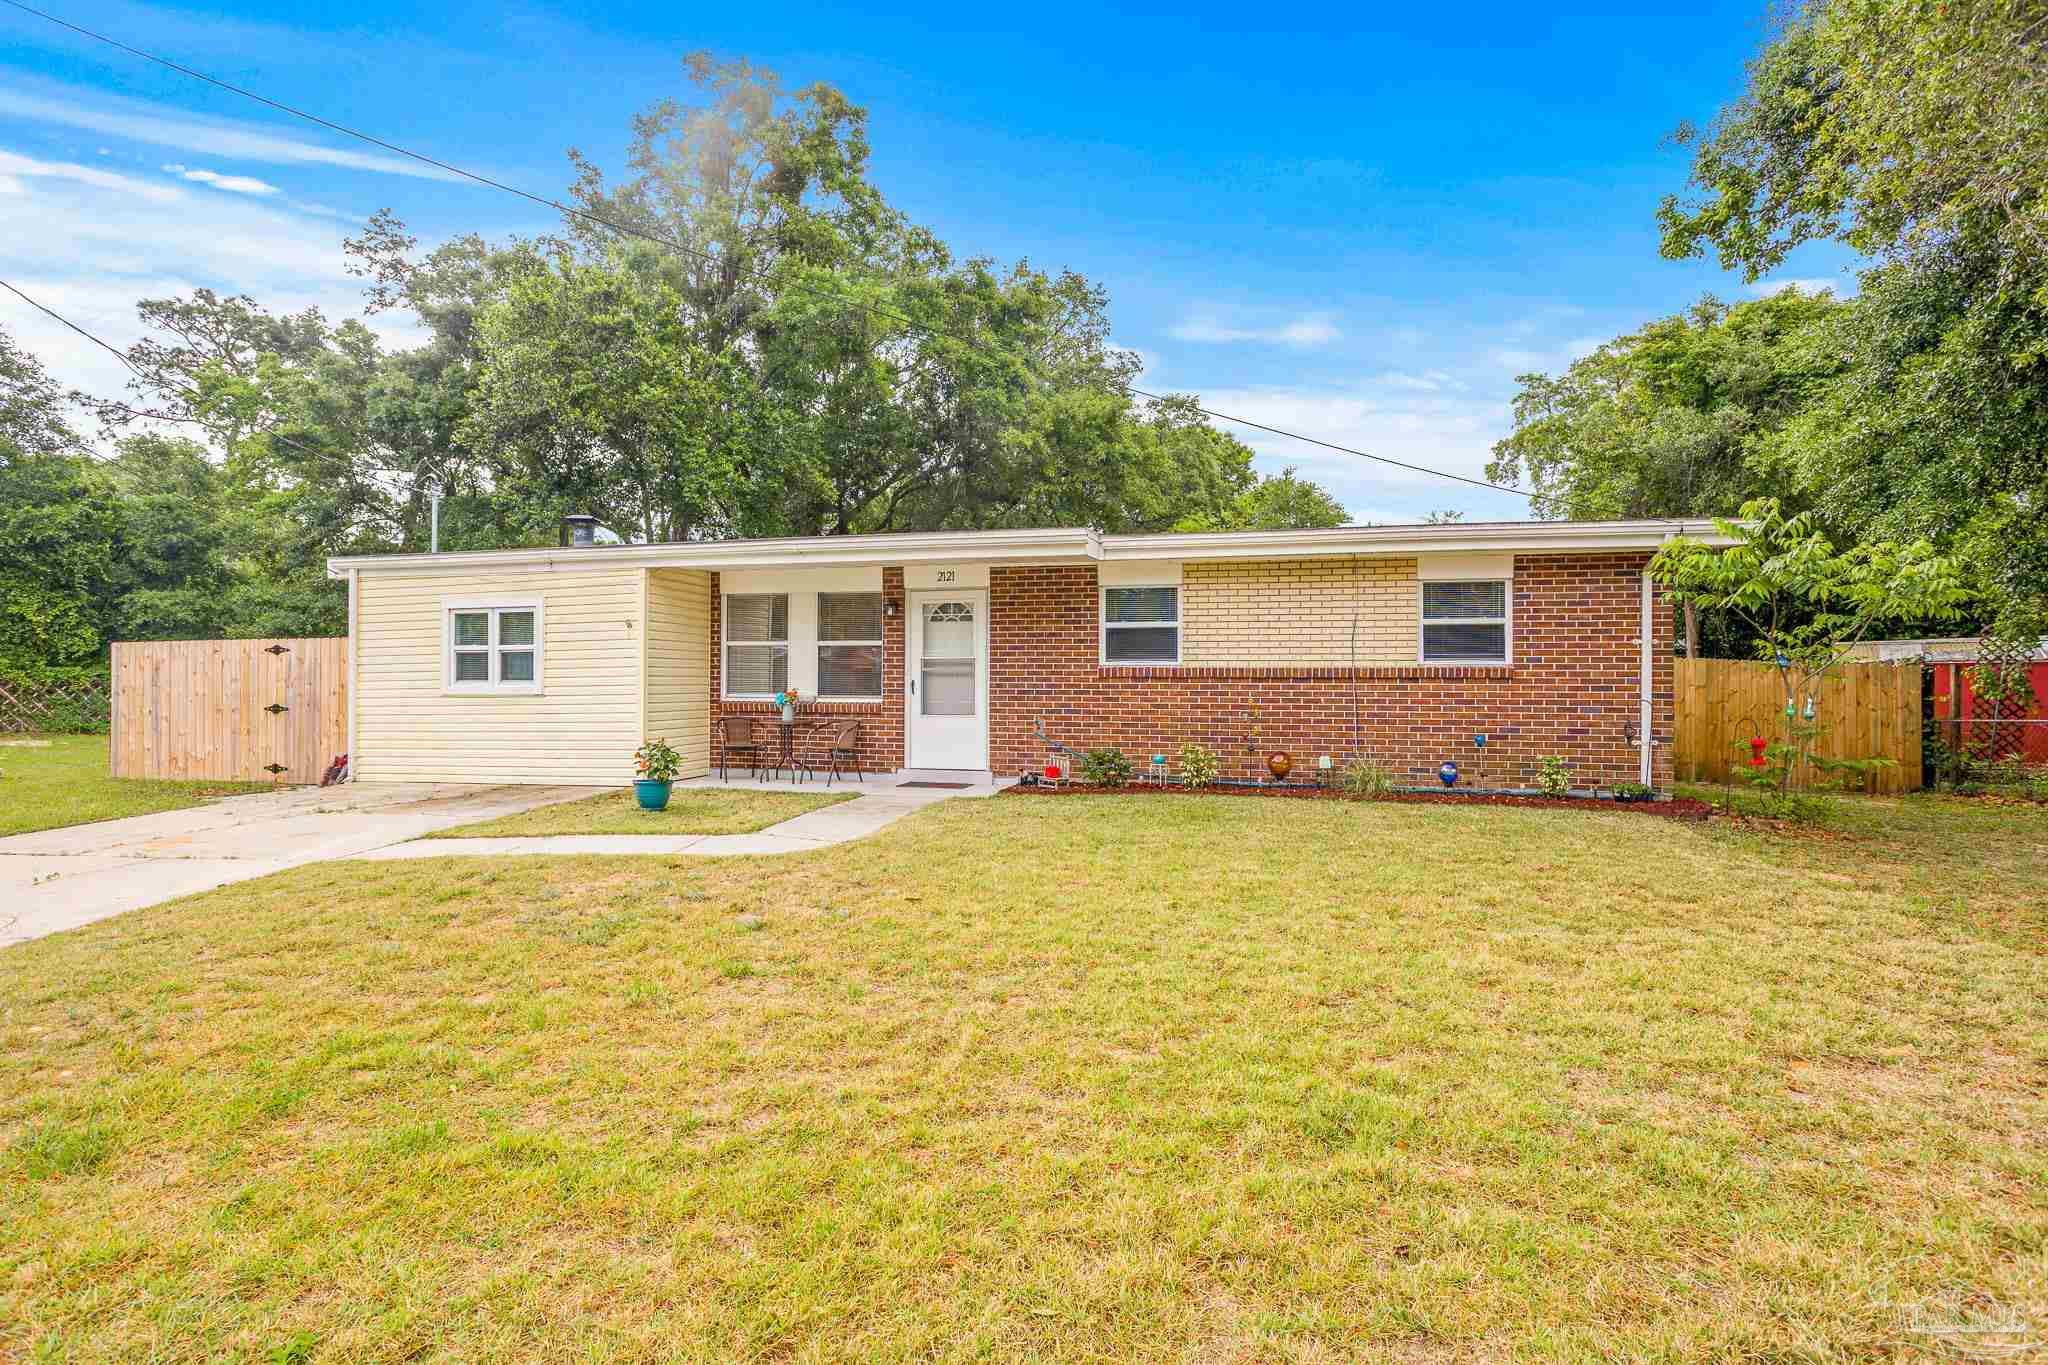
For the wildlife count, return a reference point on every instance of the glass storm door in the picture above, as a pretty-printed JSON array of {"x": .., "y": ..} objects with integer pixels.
[{"x": 948, "y": 692}]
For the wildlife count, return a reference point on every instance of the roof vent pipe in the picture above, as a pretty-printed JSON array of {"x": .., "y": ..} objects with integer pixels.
[{"x": 579, "y": 529}]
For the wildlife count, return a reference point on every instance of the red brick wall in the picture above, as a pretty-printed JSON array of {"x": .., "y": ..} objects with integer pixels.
[
  {"x": 1571, "y": 690},
  {"x": 881, "y": 722}
]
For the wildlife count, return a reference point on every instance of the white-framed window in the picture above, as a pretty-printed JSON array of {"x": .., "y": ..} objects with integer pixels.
[
  {"x": 1141, "y": 624},
  {"x": 1465, "y": 622},
  {"x": 850, "y": 645},
  {"x": 492, "y": 646},
  {"x": 756, "y": 644}
]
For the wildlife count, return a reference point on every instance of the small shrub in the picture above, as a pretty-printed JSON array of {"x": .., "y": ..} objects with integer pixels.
[
  {"x": 1363, "y": 777},
  {"x": 1554, "y": 776},
  {"x": 1631, "y": 791},
  {"x": 1105, "y": 767},
  {"x": 1199, "y": 764},
  {"x": 657, "y": 760}
]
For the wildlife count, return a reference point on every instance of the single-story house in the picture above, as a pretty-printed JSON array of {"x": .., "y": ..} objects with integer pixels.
[{"x": 1491, "y": 645}]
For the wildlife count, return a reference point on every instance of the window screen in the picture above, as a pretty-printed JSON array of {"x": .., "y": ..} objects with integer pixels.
[
  {"x": 756, "y": 644},
  {"x": 1465, "y": 622},
  {"x": 849, "y": 644},
  {"x": 1141, "y": 625}
]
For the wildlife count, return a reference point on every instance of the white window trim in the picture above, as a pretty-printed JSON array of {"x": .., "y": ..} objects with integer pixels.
[
  {"x": 725, "y": 642},
  {"x": 1506, "y": 620},
  {"x": 820, "y": 644},
  {"x": 492, "y": 606},
  {"x": 1103, "y": 627}
]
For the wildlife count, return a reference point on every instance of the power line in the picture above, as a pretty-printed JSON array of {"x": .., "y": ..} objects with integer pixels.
[{"x": 663, "y": 239}]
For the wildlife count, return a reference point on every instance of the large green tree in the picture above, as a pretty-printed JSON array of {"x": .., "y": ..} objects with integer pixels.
[
  {"x": 1670, "y": 420},
  {"x": 1917, "y": 133}
]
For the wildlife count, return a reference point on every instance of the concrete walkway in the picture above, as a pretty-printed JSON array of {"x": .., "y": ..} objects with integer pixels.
[
  {"x": 60, "y": 878},
  {"x": 883, "y": 801}
]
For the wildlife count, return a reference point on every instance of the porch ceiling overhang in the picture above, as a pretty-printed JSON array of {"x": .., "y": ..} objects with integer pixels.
[{"x": 1064, "y": 545}]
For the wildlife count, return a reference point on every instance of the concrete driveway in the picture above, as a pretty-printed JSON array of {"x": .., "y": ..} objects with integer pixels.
[{"x": 61, "y": 878}]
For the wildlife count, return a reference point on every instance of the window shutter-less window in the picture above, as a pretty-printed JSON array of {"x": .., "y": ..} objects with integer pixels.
[
  {"x": 1465, "y": 622},
  {"x": 849, "y": 644},
  {"x": 756, "y": 644},
  {"x": 1141, "y": 625}
]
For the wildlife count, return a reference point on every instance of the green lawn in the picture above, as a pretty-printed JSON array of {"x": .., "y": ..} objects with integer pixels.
[
  {"x": 690, "y": 810},
  {"x": 65, "y": 782},
  {"x": 1084, "y": 1079}
]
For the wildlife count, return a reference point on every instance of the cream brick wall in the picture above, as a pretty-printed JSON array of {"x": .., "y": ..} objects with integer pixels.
[{"x": 1279, "y": 612}]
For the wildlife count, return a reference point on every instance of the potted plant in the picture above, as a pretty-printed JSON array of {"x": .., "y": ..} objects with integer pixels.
[
  {"x": 1633, "y": 791},
  {"x": 657, "y": 762}
]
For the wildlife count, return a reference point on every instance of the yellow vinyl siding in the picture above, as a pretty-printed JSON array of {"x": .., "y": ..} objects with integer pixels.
[
  {"x": 679, "y": 664},
  {"x": 1279, "y": 612},
  {"x": 582, "y": 728}
]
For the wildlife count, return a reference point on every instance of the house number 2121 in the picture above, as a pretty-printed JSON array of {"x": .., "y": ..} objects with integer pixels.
[{"x": 944, "y": 575}]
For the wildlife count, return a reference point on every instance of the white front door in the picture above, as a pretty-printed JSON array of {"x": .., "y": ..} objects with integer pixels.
[{"x": 946, "y": 690}]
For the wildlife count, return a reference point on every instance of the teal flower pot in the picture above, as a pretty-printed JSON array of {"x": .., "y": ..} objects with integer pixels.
[{"x": 651, "y": 793}]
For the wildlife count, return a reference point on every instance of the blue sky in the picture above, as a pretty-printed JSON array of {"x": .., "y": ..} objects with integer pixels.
[{"x": 1361, "y": 226}]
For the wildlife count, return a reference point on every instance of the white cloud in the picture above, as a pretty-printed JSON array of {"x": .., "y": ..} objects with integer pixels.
[
  {"x": 20, "y": 168},
  {"x": 1312, "y": 330},
  {"x": 229, "y": 139},
  {"x": 233, "y": 184},
  {"x": 92, "y": 250},
  {"x": 1446, "y": 430}
]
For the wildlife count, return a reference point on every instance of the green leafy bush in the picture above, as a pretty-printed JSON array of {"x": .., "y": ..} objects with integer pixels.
[
  {"x": 1553, "y": 776},
  {"x": 1632, "y": 791},
  {"x": 1105, "y": 767},
  {"x": 657, "y": 760},
  {"x": 1363, "y": 777},
  {"x": 1199, "y": 765}
]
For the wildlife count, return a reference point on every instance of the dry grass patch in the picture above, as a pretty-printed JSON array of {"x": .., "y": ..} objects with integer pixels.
[
  {"x": 1082, "y": 1079},
  {"x": 690, "y": 810}
]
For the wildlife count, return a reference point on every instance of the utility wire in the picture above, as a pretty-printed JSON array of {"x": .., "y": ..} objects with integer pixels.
[
  {"x": 663, "y": 239},
  {"x": 386, "y": 482}
]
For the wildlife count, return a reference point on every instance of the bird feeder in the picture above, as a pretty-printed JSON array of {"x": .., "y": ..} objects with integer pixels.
[{"x": 1756, "y": 751}]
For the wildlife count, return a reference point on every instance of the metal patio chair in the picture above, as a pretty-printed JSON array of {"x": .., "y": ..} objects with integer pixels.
[
  {"x": 833, "y": 749},
  {"x": 738, "y": 738}
]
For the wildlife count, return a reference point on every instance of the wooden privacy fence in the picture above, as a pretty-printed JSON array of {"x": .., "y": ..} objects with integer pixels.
[
  {"x": 1868, "y": 711},
  {"x": 253, "y": 710}
]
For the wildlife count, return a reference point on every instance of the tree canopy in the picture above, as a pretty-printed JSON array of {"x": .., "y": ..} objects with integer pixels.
[{"x": 768, "y": 347}]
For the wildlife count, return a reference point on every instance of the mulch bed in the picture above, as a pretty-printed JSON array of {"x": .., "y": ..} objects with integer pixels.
[{"x": 1684, "y": 808}]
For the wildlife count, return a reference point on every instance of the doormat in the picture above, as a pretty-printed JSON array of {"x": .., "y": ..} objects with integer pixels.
[{"x": 942, "y": 786}]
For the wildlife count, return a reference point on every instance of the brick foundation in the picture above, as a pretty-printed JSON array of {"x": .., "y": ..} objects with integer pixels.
[{"x": 1571, "y": 690}]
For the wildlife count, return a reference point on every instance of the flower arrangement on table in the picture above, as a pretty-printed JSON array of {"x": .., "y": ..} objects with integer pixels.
[{"x": 788, "y": 700}]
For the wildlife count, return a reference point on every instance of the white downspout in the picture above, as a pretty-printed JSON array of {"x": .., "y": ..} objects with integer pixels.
[{"x": 1645, "y": 668}]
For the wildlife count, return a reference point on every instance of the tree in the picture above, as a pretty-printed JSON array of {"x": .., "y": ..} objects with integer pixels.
[
  {"x": 1273, "y": 502},
  {"x": 1668, "y": 421},
  {"x": 596, "y": 394},
  {"x": 1674, "y": 420},
  {"x": 1913, "y": 133},
  {"x": 31, "y": 406},
  {"x": 1806, "y": 602}
]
